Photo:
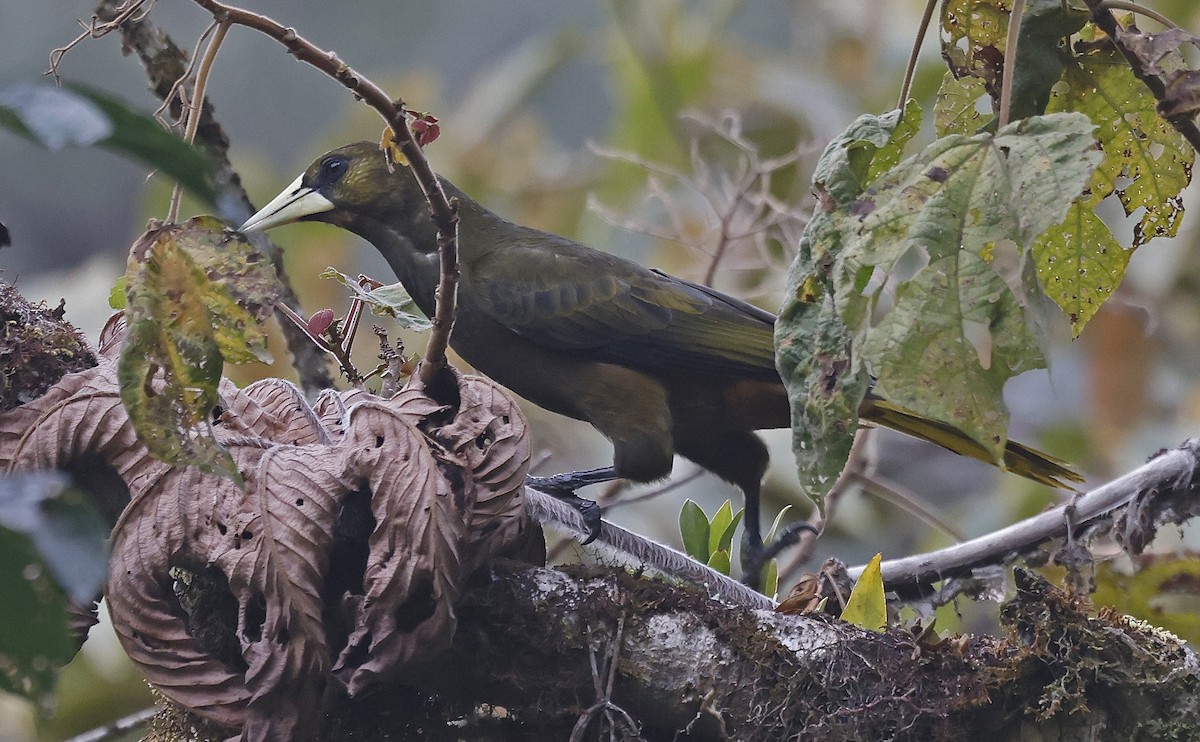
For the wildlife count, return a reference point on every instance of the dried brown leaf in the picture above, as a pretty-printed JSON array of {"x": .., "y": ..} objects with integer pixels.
[{"x": 444, "y": 490}]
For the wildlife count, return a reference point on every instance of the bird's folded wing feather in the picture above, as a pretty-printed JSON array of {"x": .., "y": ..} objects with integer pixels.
[{"x": 564, "y": 296}]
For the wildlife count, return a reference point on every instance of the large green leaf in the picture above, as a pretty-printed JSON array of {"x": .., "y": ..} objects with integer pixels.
[
  {"x": 941, "y": 330},
  {"x": 77, "y": 115},
  {"x": 895, "y": 279}
]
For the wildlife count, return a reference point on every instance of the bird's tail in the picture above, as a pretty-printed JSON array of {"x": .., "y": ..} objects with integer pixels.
[{"x": 1018, "y": 458}]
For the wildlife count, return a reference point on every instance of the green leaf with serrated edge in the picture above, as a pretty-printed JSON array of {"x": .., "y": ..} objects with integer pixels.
[
  {"x": 392, "y": 300},
  {"x": 825, "y": 385},
  {"x": 719, "y": 561},
  {"x": 866, "y": 606},
  {"x": 717, "y": 525},
  {"x": 1080, "y": 263},
  {"x": 955, "y": 110},
  {"x": 940, "y": 329},
  {"x": 1145, "y": 155},
  {"x": 196, "y": 296},
  {"x": 693, "y": 527}
]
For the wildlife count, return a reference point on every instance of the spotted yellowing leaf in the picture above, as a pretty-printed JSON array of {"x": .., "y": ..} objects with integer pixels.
[{"x": 196, "y": 296}]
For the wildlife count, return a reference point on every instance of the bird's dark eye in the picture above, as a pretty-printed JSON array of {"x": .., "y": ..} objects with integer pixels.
[{"x": 333, "y": 168}]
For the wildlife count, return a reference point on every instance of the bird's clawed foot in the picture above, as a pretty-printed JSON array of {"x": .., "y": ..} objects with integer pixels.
[
  {"x": 563, "y": 486},
  {"x": 756, "y": 555}
]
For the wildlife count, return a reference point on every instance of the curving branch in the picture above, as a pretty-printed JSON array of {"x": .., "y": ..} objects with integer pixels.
[
  {"x": 444, "y": 211},
  {"x": 1131, "y": 508}
]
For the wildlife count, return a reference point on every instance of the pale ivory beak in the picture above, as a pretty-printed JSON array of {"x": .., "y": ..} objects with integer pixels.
[{"x": 294, "y": 202}]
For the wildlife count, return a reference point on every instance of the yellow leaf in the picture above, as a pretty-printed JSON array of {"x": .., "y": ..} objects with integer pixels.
[{"x": 866, "y": 606}]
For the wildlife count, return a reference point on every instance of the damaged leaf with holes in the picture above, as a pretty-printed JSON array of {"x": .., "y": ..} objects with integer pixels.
[
  {"x": 896, "y": 280},
  {"x": 196, "y": 296},
  {"x": 812, "y": 340},
  {"x": 1146, "y": 163},
  {"x": 940, "y": 328},
  {"x": 973, "y": 36}
]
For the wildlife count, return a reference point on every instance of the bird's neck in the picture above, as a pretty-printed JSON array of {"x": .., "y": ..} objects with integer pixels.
[{"x": 412, "y": 255}]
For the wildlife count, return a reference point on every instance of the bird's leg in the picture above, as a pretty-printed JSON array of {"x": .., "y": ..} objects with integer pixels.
[
  {"x": 755, "y": 557},
  {"x": 756, "y": 554},
  {"x": 563, "y": 487}
]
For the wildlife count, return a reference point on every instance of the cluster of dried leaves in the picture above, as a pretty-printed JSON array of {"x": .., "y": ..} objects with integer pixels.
[{"x": 337, "y": 564}]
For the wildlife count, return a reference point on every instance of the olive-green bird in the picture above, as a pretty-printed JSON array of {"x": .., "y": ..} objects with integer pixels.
[{"x": 659, "y": 365}]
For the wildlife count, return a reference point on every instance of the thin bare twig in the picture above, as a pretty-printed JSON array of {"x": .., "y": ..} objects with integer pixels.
[
  {"x": 443, "y": 211},
  {"x": 911, "y": 68},
  {"x": 194, "y": 109},
  {"x": 658, "y": 491},
  {"x": 901, "y": 497},
  {"x": 178, "y": 90},
  {"x": 1140, "y": 9},
  {"x": 738, "y": 202},
  {"x": 125, "y": 11},
  {"x": 604, "y": 702}
]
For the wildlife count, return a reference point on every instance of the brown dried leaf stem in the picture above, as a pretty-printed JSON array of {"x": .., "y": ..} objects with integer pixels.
[{"x": 444, "y": 211}]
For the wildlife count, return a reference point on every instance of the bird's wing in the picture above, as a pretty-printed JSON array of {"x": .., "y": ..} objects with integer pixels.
[{"x": 563, "y": 295}]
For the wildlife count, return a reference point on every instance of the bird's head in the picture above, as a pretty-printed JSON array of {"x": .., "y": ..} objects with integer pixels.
[{"x": 351, "y": 187}]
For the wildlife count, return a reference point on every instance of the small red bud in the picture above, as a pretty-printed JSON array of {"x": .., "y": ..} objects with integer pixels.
[{"x": 320, "y": 321}]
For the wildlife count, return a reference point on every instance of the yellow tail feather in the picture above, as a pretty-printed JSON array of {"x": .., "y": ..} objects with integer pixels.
[{"x": 1018, "y": 458}]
